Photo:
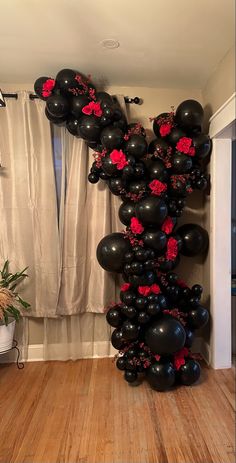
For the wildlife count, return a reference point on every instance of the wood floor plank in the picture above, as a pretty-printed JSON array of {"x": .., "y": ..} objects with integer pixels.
[{"x": 84, "y": 412}]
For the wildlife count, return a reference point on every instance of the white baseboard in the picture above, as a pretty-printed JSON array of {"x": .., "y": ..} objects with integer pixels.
[{"x": 98, "y": 349}]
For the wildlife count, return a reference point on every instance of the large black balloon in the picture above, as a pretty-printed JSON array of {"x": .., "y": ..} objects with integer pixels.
[
  {"x": 175, "y": 134},
  {"x": 190, "y": 372},
  {"x": 77, "y": 103},
  {"x": 136, "y": 146},
  {"x": 156, "y": 126},
  {"x": 111, "y": 251},
  {"x": 189, "y": 115},
  {"x": 89, "y": 128},
  {"x": 194, "y": 239},
  {"x": 126, "y": 211},
  {"x": 57, "y": 106},
  {"x": 151, "y": 211},
  {"x": 157, "y": 170},
  {"x": 161, "y": 376},
  {"x": 66, "y": 81},
  {"x": 165, "y": 336},
  {"x": 198, "y": 317},
  {"x": 155, "y": 239},
  {"x": 112, "y": 138},
  {"x": 202, "y": 144}
]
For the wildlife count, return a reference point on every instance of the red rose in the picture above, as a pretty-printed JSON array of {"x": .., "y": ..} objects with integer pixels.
[
  {"x": 165, "y": 129},
  {"x": 172, "y": 249},
  {"x": 118, "y": 158},
  {"x": 157, "y": 187},
  {"x": 92, "y": 108},
  {"x": 184, "y": 146},
  {"x": 155, "y": 289},
  {"x": 157, "y": 357},
  {"x": 125, "y": 287},
  {"x": 48, "y": 86},
  {"x": 144, "y": 290},
  {"x": 167, "y": 225},
  {"x": 179, "y": 358},
  {"x": 136, "y": 226}
]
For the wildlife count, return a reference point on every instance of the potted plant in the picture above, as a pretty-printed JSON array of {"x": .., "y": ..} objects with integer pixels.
[{"x": 11, "y": 305}]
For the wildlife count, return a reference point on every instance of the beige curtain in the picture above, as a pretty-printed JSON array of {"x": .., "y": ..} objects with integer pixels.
[
  {"x": 89, "y": 213},
  {"x": 29, "y": 223}
]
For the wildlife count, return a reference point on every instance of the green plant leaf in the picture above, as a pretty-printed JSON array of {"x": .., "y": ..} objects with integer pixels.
[
  {"x": 5, "y": 317},
  {"x": 25, "y": 304},
  {"x": 14, "y": 312}
]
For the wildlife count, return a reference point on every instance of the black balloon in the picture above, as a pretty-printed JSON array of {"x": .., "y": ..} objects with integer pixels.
[
  {"x": 111, "y": 251},
  {"x": 89, "y": 128},
  {"x": 57, "y": 106},
  {"x": 113, "y": 317},
  {"x": 130, "y": 376},
  {"x": 157, "y": 170},
  {"x": 128, "y": 297},
  {"x": 93, "y": 178},
  {"x": 55, "y": 120},
  {"x": 112, "y": 138},
  {"x": 189, "y": 115},
  {"x": 104, "y": 97},
  {"x": 156, "y": 126},
  {"x": 151, "y": 211},
  {"x": 202, "y": 144},
  {"x": 109, "y": 167},
  {"x": 76, "y": 105},
  {"x": 130, "y": 330},
  {"x": 120, "y": 363},
  {"x": 181, "y": 164},
  {"x": 66, "y": 80},
  {"x": 72, "y": 126},
  {"x": 117, "y": 339},
  {"x": 136, "y": 146},
  {"x": 198, "y": 317},
  {"x": 38, "y": 87},
  {"x": 189, "y": 373},
  {"x": 116, "y": 185},
  {"x": 126, "y": 211},
  {"x": 175, "y": 134},
  {"x": 155, "y": 239},
  {"x": 161, "y": 376},
  {"x": 158, "y": 147},
  {"x": 165, "y": 336},
  {"x": 137, "y": 187},
  {"x": 189, "y": 337},
  {"x": 194, "y": 239}
]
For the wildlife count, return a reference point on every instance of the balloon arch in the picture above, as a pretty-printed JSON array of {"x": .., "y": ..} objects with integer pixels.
[{"x": 157, "y": 315}]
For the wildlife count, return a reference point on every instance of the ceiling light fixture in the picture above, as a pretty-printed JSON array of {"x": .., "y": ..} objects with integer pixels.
[{"x": 110, "y": 43}]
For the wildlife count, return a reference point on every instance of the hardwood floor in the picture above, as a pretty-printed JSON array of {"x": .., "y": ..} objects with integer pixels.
[{"x": 84, "y": 412}]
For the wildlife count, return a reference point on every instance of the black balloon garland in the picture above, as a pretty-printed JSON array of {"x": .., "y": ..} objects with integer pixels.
[{"x": 158, "y": 313}]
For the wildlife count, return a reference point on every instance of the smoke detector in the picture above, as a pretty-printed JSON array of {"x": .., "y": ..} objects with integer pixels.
[{"x": 110, "y": 43}]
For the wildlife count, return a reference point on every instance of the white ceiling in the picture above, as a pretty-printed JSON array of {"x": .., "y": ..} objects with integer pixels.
[{"x": 163, "y": 43}]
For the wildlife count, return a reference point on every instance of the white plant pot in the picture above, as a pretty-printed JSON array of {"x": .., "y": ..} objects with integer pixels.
[{"x": 6, "y": 335}]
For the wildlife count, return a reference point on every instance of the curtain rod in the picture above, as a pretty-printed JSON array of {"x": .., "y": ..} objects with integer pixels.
[{"x": 33, "y": 96}]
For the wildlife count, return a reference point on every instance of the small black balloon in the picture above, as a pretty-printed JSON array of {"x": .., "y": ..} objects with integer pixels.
[
  {"x": 156, "y": 126},
  {"x": 165, "y": 336},
  {"x": 93, "y": 178},
  {"x": 194, "y": 239},
  {"x": 112, "y": 138},
  {"x": 189, "y": 337},
  {"x": 202, "y": 144},
  {"x": 137, "y": 187},
  {"x": 175, "y": 134},
  {"x": 140, "y": 302},
  {"x": 76, "y": 105},
  {"x": 117, "y": 339},
  {"x": 130, "y": 376},
  {"x": 126, "y": 211},
  {"x": 155, "y": 239},
  {"x": 120, "y": 363},
  {"x": 127, "y": 297},
  {"x": 113, "y": 317},
  {"x": 143, "y": 318},
  {"x": 130, "y": 330},
  {"x": 111, "y": 251},
  {"x": 158, "y": 146},
  {"x": 55, "y": 120},
  {"x": 57, "y": 106},
  {"x": 151, "y": 211},
  {"x": 136, "y": 146},
  {"x": 72, "y": 126},
  {"x": 161, "y": 376},
  {"x": 38, "y": 87},
  {"x": 109, "y": 167},
  {"x": 197, "y": 290},
  {"x": 153, "y": 309},
  {"x": 190, "y": 372},
  {"x": 198, "y": 317},
  {"x": 157, "y": 170},
  {"x": 129, "y": 311},
  {"x": 181, "y": 164},
  {"x": 89, "y": 128},
  {"x": 116, "y": 185}
]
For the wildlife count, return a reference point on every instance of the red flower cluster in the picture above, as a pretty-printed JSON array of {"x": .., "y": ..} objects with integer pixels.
[
  {"x": 136, "y": 226},
  {"x": 48, "y": 86},
  {"x": 165, "y": 129},
  {"x": 172, "y": 249},
  {"x": 125, "y": 287},
  {"x": 146, "y": 290},
  {"x": 157, "y": 187},
  {"x": 92, "y": 108},
  {"x": 179, "y": 357},
  {"x": 167, "y": 225},
  {"x": 184, "y": 146},
  {"x": 118, "y": 158}
]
